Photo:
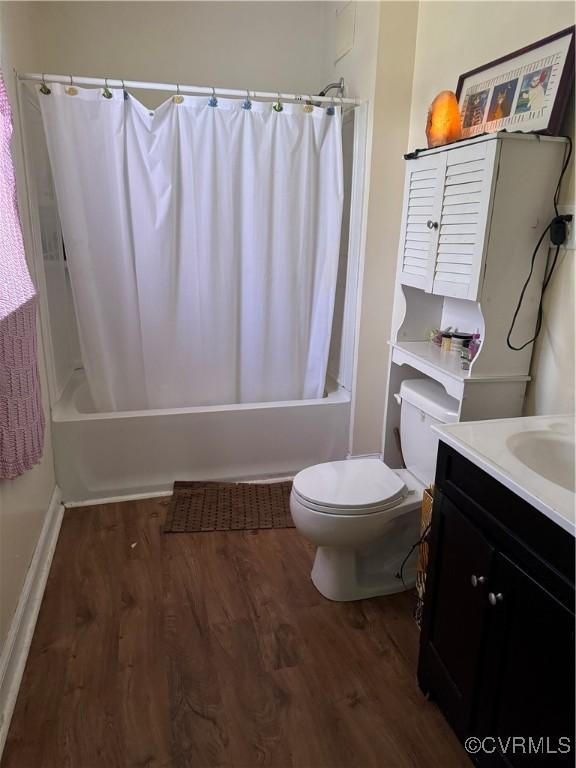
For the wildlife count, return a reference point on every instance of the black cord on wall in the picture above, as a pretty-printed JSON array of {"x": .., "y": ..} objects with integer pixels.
[{"x": 557, "y": 229}]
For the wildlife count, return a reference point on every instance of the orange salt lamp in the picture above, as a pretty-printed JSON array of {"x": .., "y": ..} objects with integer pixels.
[{"x": 443, "y": 124}]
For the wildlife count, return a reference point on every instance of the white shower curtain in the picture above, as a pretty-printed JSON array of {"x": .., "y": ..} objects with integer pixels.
[{"x": 202, "y": 244}]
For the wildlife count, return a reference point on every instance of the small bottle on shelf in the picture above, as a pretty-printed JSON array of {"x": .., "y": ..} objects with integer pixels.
[{"x": 470, "y": 350}]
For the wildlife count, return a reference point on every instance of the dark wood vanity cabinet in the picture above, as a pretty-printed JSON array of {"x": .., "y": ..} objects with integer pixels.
[{"x": 497, "y": 644}]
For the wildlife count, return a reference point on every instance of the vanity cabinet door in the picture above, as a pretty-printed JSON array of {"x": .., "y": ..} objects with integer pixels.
[
  {"x": 423, "y": 187},
  {"x": 455, "y": 613},
  {"x": 527, "y": 684}
]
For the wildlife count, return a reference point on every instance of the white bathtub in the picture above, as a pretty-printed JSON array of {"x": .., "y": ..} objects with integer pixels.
[{"x": 103, "y": 455}]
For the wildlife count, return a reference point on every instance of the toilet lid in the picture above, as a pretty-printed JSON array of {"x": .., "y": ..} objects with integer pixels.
[{"x": 361, "y": 484}]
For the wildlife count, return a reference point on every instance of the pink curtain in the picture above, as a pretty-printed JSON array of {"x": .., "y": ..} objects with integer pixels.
[{"x": 21, "y": 415}]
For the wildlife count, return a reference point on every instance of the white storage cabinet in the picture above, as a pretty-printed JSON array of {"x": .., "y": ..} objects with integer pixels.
[{"x": 472, "y": 214}]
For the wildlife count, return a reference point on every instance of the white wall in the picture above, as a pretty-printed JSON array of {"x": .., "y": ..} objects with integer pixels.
[
  {"x": 23, "y": 501},
  {"x": 358, "y": 67},
  {"x": 257, "y": 45},
  {"x": 553, "y": 363},
  {"x": 452, "y": 38},
  {"x": 394, "y": 56}
]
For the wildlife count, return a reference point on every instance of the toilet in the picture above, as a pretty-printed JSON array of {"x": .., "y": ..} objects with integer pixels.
[{"x": 363, "y": 516}]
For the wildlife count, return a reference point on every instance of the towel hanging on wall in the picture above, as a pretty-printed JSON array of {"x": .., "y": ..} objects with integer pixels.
[{"x": 21, "y": 414}]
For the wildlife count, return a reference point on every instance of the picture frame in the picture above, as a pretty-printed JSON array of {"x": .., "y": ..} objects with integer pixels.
[{"x": 527, "y": 90}]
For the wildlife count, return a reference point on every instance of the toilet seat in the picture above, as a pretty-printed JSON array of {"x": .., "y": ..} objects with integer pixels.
[
  {"x": 346, "y": 511},
  {"x": 352, "y": 487}
]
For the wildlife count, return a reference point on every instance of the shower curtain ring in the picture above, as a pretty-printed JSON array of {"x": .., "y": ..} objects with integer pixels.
[
  {"x": 107, "y": 93},
  {"x": 44, "y": 88},
  {"x": 308, "y": 107},
  {"x": 277, "y": 106},
  {"x": 213, "y": 101},
  {"x": 124, "y": 91},
  {"x": 247, "y": 104},
  {"x": 178, "y": 99},
  {"x": 71, "y": 90}
]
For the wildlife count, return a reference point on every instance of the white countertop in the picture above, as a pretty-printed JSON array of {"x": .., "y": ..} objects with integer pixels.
[{"x": 545, "y": 442}]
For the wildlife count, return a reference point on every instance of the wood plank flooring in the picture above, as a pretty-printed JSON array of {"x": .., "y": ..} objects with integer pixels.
[{"x": 214, "y": 649}]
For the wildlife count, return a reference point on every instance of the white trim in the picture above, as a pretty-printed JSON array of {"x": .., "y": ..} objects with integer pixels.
[
  {"x": 350, "y": 319},
  {"x": 506, "y": 135},
  {"x": 116, "y": 499},
  {"x": 361, "y": 175},
  {"x": 17, "y": 643}
]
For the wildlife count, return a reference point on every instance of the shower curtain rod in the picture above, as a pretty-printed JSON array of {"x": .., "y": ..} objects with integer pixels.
[{"x": 191, "y": 89}]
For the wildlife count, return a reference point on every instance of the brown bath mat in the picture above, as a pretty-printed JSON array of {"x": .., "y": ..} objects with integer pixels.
[{"x": 199, "y": 506}]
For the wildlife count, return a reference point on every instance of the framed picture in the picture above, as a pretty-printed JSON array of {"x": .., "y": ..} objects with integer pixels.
[{"x": 527, "y": 90}]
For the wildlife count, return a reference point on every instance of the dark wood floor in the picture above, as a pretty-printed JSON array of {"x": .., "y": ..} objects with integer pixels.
[{"x": 214, "y": 649}]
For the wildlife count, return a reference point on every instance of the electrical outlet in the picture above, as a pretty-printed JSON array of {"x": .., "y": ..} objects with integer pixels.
[{"x": 564, "y": 210}]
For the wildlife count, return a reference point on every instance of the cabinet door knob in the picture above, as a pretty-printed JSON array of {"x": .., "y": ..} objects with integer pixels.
[
  {"x": 477, "y": 580},
  {"x": 432, "y": 224},
  {"x": 494, "y": 599}
]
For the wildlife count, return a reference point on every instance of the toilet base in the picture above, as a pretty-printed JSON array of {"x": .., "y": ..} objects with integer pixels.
[{"x": 346, "y": 574}]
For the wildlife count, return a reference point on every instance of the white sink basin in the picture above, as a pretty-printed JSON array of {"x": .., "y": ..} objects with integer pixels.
[
  {"x": 533, "y": 456},
  {"x": 548, "y": 453}
]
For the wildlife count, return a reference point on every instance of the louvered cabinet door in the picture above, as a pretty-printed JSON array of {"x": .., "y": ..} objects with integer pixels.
[
  {"x": 464, "y": 220},
  {"x": 422, "y": 206}
]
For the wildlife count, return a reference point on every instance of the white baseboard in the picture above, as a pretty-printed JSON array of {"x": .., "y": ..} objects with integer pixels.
[
  {"x": 157, "y": 494},
  {"x": 116, "y": 499},
  {"x": 17, "y": 643}
]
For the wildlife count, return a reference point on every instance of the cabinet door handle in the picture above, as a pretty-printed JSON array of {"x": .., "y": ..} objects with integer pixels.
[
  {"x": 432, "y": 224},
  {"x": 494, "y": 599},
  {"x": 477, "y": 580}
]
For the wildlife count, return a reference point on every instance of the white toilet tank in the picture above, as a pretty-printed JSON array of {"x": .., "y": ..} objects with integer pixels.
[{"x": 424, "y": 402}]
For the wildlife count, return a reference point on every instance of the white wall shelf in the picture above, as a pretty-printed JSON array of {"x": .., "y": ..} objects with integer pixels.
[{"x": 444, "y": 367}]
